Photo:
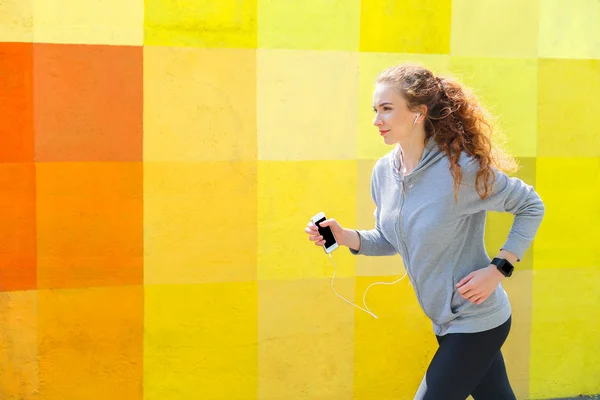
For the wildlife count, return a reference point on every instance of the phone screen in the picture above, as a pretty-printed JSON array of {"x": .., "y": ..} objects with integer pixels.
[{"x": 326, "y": 233}]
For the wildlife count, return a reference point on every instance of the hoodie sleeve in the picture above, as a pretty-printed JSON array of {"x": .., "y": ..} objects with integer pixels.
[
  {"x": 372, "y": 242},
  {"x": 511, "y": 195}
]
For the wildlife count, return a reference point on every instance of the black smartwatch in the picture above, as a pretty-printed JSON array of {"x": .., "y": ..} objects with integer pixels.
[{"x": 504, "y": 266}]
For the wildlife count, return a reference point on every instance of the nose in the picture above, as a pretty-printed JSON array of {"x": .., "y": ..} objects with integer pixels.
[{"x": 377, "y": 121}]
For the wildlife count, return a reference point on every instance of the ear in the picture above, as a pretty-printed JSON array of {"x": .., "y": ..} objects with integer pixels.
[{"x": 422, "y": 110}]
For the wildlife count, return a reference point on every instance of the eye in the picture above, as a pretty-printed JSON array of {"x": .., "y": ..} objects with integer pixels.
[{"x": 387, "y": 108}]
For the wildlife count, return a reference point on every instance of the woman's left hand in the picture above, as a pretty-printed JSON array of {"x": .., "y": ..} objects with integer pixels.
[{"x": 480, "y": 284}]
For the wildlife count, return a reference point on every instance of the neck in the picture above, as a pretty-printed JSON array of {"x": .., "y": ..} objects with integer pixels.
[{"x": 412, "y": 150}]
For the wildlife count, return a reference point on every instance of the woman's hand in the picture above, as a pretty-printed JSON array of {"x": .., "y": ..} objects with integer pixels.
[
  {"x": 313, "y": 232},
  {"x": 480, "y": 284}
]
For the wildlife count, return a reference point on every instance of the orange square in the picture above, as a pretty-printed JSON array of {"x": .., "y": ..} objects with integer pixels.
[
  {"x": 90, "y": 224},
  {"x": 91, "y": 343},
  {"x": 88, "y": 103},
  {"x": 16, "y": 97},
  {"x": 17, "y": 230}
]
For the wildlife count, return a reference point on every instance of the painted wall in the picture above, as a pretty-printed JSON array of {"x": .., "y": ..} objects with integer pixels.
[{"x": 160, "y": 159}]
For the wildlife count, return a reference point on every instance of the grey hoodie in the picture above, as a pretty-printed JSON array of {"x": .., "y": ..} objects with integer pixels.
[{"x": 441, "y": 241}]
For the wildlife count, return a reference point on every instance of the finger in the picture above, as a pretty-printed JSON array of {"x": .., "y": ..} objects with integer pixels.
[
  {"x": 465, "y": 288},
  {"x": 327, "y": 222},
  {"x": 464, "y": 280},
  {"x": 315, "y": 238}
]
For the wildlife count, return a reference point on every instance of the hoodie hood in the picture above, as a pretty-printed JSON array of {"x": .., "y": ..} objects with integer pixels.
[{"x": 431, "y": 154}]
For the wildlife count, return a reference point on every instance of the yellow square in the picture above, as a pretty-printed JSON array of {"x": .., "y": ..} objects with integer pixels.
[
  {"x": 392, "y": 26},
  {"x": 391, "y": 353},
  {"x": 111, "y": 22},
  {"x": 569, "y": 30},
  {"x": 365, "y": 219},
  {"x": 306, "y": 105},
  {"x": 19, "y": 374},
  {"x": 200, "y": 341},
  {"x": 498, "y": 224},
  {"x": 370, "y": 143},
  {"x": 309, "y": 24},
  {"x": 306, "y": 339},
  {"x": 568, "y": 108},
  {"x": 289, "y": 195},
  {"x": 199, "y": 104},
  {"x": 516, "y": 349},
  {"x": 507, "y": 87},
  {"x": 16, "y": 21},
  {"x": 569, "y": 235},
  {"x": 491, "y": 28},
  {"x": 199, "y": 222},
  {"x": 564, "y": 337},
  {"x": 201, "y": 23}
]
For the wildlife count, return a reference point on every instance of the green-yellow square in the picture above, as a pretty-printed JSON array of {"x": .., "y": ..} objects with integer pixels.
[
  {"x": 568, "y": 236},
  {"x": 289, "y": 195},
  {"x": 307, "y": 105},
  {"x": 568, "y": 108},
  {"x": 201, "y": 23},
  {"x": 306, "y": 339},
  {"x": 200, "y": 341},
  {"x": 569, "y": 30},
  {"x": 393, "y": 26},
  {"x": 507, "y": 87},
  {"x": 309, "y": 24},
  {"x": 564, "y": 332},
  {"x": 370, "y": 143},
  {"x": 492, "y": 28}
]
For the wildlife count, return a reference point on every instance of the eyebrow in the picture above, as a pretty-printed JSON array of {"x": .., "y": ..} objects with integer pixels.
[{"x": 384, "y": 103}]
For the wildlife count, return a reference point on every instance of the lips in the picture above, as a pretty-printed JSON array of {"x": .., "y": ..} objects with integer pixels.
[{"x": 382, "y": 132}]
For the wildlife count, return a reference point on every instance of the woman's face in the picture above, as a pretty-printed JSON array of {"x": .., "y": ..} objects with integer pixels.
[{"x": 392, "y": 116}]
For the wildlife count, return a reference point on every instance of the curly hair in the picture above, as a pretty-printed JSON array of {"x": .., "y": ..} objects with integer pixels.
[{"x": 455, "y": 119}]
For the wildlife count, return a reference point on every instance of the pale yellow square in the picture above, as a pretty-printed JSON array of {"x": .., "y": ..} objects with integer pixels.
[
  {"x": 568, "y": 108},
  {"x": 110, "y": 22},
  {"x": 307, "y": 105},
  {"x": 568, "y": 236},
  {"x": 289, "y": 195},
  {"x": 309, "y": 24},
  {"x": 370, "y": 143},
  {"x": 16, "y": 21},
  {"x": 392, "y": 352},
  {"x": 564, "y": 335},
  {"x": 199, "y": 104},
  {"x": 306, "y": 340},
  {"x": 200, "y": 341},
  {"x": 569, "y": 29},
  {"x": 200, "y": 222},
  {"x": 507, "y": 87},
  {"x": 491, "y": 28}
]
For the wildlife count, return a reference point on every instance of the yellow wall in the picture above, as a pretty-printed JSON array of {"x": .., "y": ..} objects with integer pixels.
[{"x": 160, "y": 160}]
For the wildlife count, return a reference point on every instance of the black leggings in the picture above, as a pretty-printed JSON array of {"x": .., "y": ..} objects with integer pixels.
[{"x": 468, "y": 364}]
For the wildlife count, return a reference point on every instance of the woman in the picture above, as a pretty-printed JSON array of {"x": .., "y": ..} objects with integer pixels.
[{"x": 431, "y": 193}]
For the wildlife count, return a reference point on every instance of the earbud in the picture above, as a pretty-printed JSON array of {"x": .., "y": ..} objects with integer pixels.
[{"x": 416, "y": 118}]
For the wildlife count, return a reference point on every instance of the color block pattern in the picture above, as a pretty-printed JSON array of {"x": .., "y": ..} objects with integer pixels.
[{"x": 159, "y": 160}]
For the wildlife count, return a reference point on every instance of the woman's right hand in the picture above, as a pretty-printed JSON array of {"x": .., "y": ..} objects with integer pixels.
[{"x": 314, "y": 236}]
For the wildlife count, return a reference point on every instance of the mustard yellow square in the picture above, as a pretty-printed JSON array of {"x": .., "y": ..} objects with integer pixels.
[
  {"x": 569, "y": 30},
  {"x": 305, "y": 339},
  {"x": 491, "y": 28},
  {"x": 200, "y": 222},
  {"x": 200, "y": 341},
  {"x": 201, "y": 23},
  {"x": 199, "y": 104},
  {"x": 391, "y": 353},
  {"x": 507, "y": 87},
  {"x": 498, "y": 225},
  {"x": 307, "y": 105},
  {"x": 110, "y": 22},
  {"x": 392, "y": 26},
  {"x": 569, "y": 235},
  {"x": 289, "y": 195},
  {"x": 568, "y": 108},
  {"x": 370, "y": 143},
  {"x": 564, "y": 334},
  {"x": 16, "y": 21},
  {"x": 309, "y": 24}
]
